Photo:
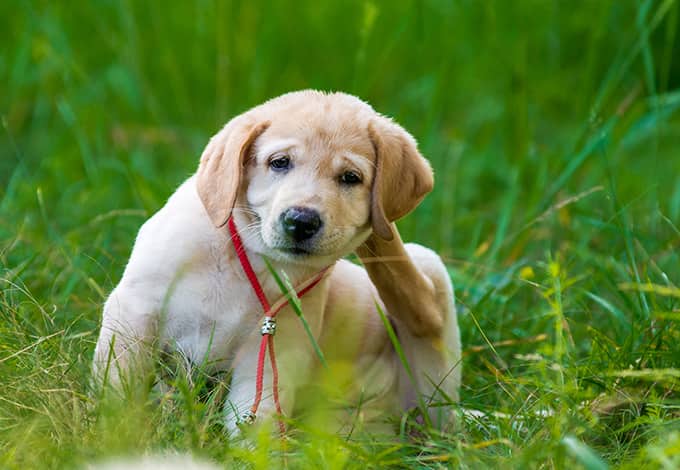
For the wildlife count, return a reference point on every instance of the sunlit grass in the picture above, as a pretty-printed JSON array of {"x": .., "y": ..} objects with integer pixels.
[{"x": 553, "y": 128}]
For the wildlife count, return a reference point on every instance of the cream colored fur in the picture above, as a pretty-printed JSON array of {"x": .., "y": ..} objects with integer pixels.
[{"x": 184, "y": 289}]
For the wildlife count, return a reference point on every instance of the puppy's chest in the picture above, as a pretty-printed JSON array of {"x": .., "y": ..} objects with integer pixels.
[
  {"x": 212, "y": 312},
  {"x": 209, "y": 316}
]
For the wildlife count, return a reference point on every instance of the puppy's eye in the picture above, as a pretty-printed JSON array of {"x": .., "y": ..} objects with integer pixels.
[
  {"x": 280, "y": 163},
  {"x": 350, "y": 178}
]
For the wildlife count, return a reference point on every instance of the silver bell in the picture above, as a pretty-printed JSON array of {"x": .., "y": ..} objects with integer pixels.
[{"x": 268, "y": 326}]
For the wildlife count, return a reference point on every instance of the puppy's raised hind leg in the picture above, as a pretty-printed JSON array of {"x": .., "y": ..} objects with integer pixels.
[
  {"x": 435, "y": 360},
  {"x": 415, "y": 286}
]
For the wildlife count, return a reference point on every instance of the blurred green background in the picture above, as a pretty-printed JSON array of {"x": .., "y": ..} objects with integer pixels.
[{"x": 553, "y": 128}]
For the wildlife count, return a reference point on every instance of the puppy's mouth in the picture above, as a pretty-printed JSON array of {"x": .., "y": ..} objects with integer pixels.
[{"x": 295, "y": 250}]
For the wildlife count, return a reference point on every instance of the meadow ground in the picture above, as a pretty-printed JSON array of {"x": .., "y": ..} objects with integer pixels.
[{"x": 554, "y": 131}]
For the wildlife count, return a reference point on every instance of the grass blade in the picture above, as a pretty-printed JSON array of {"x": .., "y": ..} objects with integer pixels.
[{"x": 584, "y": 454}]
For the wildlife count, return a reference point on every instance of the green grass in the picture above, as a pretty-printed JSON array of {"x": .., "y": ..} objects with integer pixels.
[{"x": 554, "y": 131}]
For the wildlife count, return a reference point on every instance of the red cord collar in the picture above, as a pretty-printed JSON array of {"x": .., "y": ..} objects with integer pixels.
[{"x": 268, "y": 325}]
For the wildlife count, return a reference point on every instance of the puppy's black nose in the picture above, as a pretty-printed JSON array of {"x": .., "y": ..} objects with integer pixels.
[{"x": 300, "y": 223}]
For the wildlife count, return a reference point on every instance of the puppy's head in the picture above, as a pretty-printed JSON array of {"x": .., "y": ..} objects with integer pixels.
[{"x": 308, "y": 175}]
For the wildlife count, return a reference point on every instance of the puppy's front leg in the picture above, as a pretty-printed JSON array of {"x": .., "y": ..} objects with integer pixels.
[
  {"x": 243, "y": 386},
  {"x": 123, "y": 350},
  {"x": 295, "y": 359}
]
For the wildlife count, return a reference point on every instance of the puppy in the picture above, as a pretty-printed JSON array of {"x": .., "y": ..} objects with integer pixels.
[{"x": 306, "y": 178}]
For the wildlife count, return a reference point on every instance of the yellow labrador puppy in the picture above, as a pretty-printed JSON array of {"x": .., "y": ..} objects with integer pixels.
[{"x": 307, "y": 178}]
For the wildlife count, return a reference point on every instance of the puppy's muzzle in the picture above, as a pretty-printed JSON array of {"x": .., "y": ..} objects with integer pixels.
[{"x": 300, "y": 223}]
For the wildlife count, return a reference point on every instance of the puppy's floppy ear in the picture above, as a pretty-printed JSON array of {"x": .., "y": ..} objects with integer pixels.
[
  {"x": 219, "y": 172},
  {"x": 402, "y": 175}
]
